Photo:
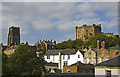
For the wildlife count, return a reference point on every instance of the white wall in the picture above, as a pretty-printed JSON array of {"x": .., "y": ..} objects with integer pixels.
[
  {"x": 101, "y": 71},
  {"x": 73, "y": 58}
]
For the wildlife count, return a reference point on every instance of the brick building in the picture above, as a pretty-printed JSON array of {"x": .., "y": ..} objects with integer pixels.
[{"x": 79, "y": 68}]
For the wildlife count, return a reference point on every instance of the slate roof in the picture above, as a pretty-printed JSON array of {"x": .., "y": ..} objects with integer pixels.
[
  {"x": 94, "y": 49},
  {"x": 81, "y": 65},
  {"x": 116, "y": 47},
  {"x": 63, "y": 52},
  {"x": 51, "y": 64},
  {"x": 114, "y": 62}
]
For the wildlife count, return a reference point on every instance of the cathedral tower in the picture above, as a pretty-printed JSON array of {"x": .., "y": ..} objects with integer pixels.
[{"x": 14, "y": 36}]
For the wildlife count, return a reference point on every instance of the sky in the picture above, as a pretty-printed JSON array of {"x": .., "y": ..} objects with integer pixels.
[{"x": 56, "y": 20}]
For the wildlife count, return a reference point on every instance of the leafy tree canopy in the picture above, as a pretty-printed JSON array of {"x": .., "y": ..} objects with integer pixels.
[
  {"x": 78, "y": 43},
  {"x": 25, "y": 62}
]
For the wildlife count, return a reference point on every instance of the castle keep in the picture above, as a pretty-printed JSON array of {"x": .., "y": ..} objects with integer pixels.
[
  {"x": 85, "y": 32},
  {"x": 14, "y": 36}
]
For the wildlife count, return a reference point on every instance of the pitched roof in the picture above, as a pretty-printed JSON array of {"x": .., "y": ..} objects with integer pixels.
[
  {"x": 62, "y": 51},
  {"x": 51, "y": 64},
  {"x": 94, "y": 49},
  {"x": 114, "y": 62},
  {"x": 116, "y": 47},
  {"x": 81, "y": 65}
]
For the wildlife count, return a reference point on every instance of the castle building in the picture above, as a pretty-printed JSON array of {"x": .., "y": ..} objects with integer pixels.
[
  {"x": 14, "y": 36},
  {"x": 85, "y": 32}
]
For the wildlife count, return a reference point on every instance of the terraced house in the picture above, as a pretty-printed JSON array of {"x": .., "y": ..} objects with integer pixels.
[{"x": 64, "y": 57}]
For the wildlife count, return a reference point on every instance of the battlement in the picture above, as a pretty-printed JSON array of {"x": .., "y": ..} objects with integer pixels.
[
  {"x": 86, "y": 31},
  {"x": 85, "y": 25}
]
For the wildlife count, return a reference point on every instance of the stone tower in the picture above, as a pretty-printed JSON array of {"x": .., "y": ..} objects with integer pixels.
[
  {"x": 14, "y": 36},
  {"x": 85, "y": 32}
]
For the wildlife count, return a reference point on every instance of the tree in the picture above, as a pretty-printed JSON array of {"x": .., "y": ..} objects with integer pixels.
[{"x": 25, "y": 62}]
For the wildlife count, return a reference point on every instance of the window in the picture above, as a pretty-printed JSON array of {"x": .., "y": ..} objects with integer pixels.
[
  {"x": 63, "y": 57},
  {"x": 87, "y": 60},
  {"x": 48, "y": 56},
  {"x": 105, "y": 59},
  {"x": 78, "y": 56},
  {"x": 102, "y": 53},
  {"x": 92, "y": 60},
  {"x": 68, "y": 56},
  {"x": 65, "y": 63},
  {"x": 89, "y": 53},
  {"x": 86, "y": 30},
  {"x": 117, "y": 53},
  {"x": 108, "y": 73},
  {"x": 68, "y": 70},
  {"x": 53, "y": 58},
  {"x": 99, "y": 60}
]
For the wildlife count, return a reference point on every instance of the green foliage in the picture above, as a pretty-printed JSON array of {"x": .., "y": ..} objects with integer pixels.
[
  {"x": 25, "y": 62},
  {"x": 77, "y": 44}
]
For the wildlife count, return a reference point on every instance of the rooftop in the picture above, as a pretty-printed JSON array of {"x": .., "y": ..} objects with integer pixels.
[{"x": 114, "y": 62}]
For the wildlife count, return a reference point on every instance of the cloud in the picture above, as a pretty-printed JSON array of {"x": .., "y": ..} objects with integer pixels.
[
  {"x": 61, "y": 1},
  {"x": 63, "y": 16},
  {"x": 67, "y": 37}
]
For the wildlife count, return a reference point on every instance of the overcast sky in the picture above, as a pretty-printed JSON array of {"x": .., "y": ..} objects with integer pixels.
[{"x": 56, "y": 20}]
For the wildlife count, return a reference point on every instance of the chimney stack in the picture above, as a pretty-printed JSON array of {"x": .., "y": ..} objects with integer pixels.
[
  {"x": 39, "y": 41},
  {"x": 89, "y": 47},
  {"x": 98, "y": 44},
  {"x": 103, "y": 44},
  {"x": 54, "y": 41},
  {"x": 83, "y": 47}
]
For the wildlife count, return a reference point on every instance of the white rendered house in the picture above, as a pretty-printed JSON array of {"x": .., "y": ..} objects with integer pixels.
[
  {"x": 64, "y": 57},
  {"x": 109, "y": 68}
]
